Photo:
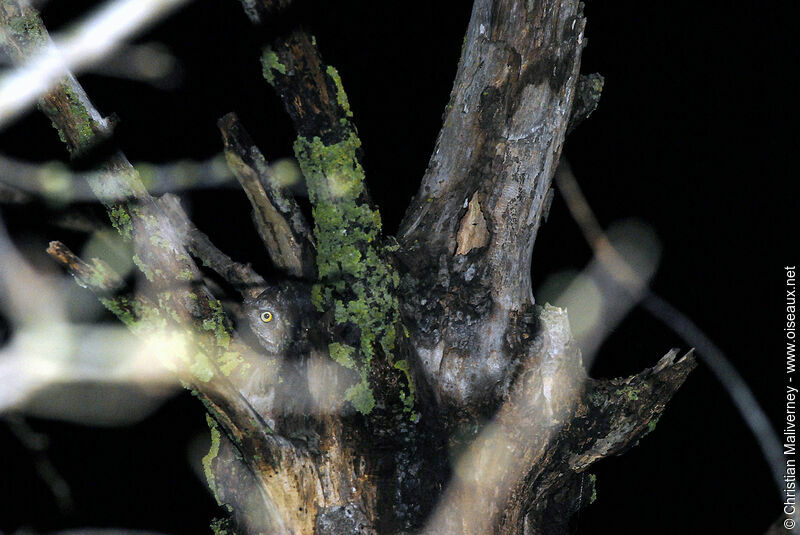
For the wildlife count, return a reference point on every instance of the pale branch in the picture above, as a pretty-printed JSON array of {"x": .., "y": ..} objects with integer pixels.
[
  {"x": 501, "y": 141},
  {"x": 610, "y": 417},
  {"x": 525, "y": 470},
  {"x": 277, "y": 216},
  {"x": 484, "y": 493},
  {"x": 467, "y": 236},
  {"x": 190, "y": 309},
  {"x": 13, "y": 195},
  {"x": 241, "y": 276},
  {"x": 55, "y": 181}
]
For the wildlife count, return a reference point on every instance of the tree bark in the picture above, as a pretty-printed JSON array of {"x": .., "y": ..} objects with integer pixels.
[{"x": 420, "y": 388}]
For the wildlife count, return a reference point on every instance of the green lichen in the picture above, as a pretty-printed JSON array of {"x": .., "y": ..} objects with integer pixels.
[
  {"x": 28, "y": 29},
  {"x": 342, "y": 354},
  {"x": 127, "y": 310},
  {"x": 341, "y": 96},
  {"x": 157, "y": 240},
  {"x": 121, "y": 220},
  {"x": 221, "y": 526},
  {"x": 270, "y": 62},
  {"x": 229, "y": 361},
  {"x": 210, "y": 456},
  {"x": 356, "y": 280},
  {"x": 166, "y": 304},
  {"x": 651, "y": 425},
  {"x": 593, "y": 483},
  {"x": 102, "y": 276},
  {"x": 186, "y": 275},
  {"x": 80, "y": 118},
  {"x": 202, "y": 368},
  {"x": 218, "y": 324},
  {"x": 408, "y": 400},
  {"x": 630, "y": 392},
  {"x": 360, "y": 396},
  {"x": 596, "y": 398}
]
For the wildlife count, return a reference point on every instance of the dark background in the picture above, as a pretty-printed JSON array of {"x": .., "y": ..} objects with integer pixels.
[{"x": 694, "y": 136}]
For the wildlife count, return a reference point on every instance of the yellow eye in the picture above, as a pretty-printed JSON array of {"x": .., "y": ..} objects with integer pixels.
[{"x": 266, "y": 316}]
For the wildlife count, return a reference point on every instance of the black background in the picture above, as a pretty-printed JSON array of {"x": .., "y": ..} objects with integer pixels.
[{"x": 694, "y": 136}]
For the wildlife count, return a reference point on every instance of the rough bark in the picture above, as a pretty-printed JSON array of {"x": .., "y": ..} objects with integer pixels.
[
  {"x": 500, "y": 144},
  {"x": 277, "y": 217},
  {"x": 402, "y": 354}
]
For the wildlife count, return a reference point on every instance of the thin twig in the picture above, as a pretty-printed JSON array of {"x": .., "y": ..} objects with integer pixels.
[
  {"x": 722, "y": 368},
  {"x": 277, "y": 217},
  {"x": 98, "y": 275}
]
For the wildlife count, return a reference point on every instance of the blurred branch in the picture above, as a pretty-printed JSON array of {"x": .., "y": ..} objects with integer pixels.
[
  {"x": 616, "y": 266},
  {"x": 44, "y": 64},
  {"x": 37, "y": 444},
  {"x": 47, "y": 351},
  {"x": 199, "y": 345},
  {"x": 150, "y": 63},
  {"x": 13, "y": 195},
  {"x": 55, "y": 181}
]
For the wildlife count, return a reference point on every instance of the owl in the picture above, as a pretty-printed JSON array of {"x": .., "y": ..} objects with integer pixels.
[{"x": 279, "y": 316}]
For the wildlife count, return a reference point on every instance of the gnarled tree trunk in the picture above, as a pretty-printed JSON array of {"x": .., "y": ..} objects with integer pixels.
[{"x": 389, "y": 385}]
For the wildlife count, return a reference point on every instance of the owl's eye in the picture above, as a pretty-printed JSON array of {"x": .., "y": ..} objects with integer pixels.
[{"x": 266, "y": 316}]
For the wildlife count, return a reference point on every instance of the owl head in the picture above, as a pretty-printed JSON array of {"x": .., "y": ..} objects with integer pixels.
[{"x": 274, "y": 316}]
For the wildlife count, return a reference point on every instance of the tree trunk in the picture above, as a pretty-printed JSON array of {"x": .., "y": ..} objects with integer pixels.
[{"x": 387, "y": 385}]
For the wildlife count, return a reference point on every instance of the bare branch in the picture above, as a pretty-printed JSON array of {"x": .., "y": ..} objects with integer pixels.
[
  {"x": 98, "y": 276},
  {"x": 525, "y": 467},
  {"x": 467, "y": 237},
  {"x": 587, "y": 97},
  {"x": 277, "y": 217},
  {"x": 500, "y": 143},
  {"x": 618, "y": 412},
  {"x": 311, "y": 92},
  {"x": 241, "y": 276}
]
